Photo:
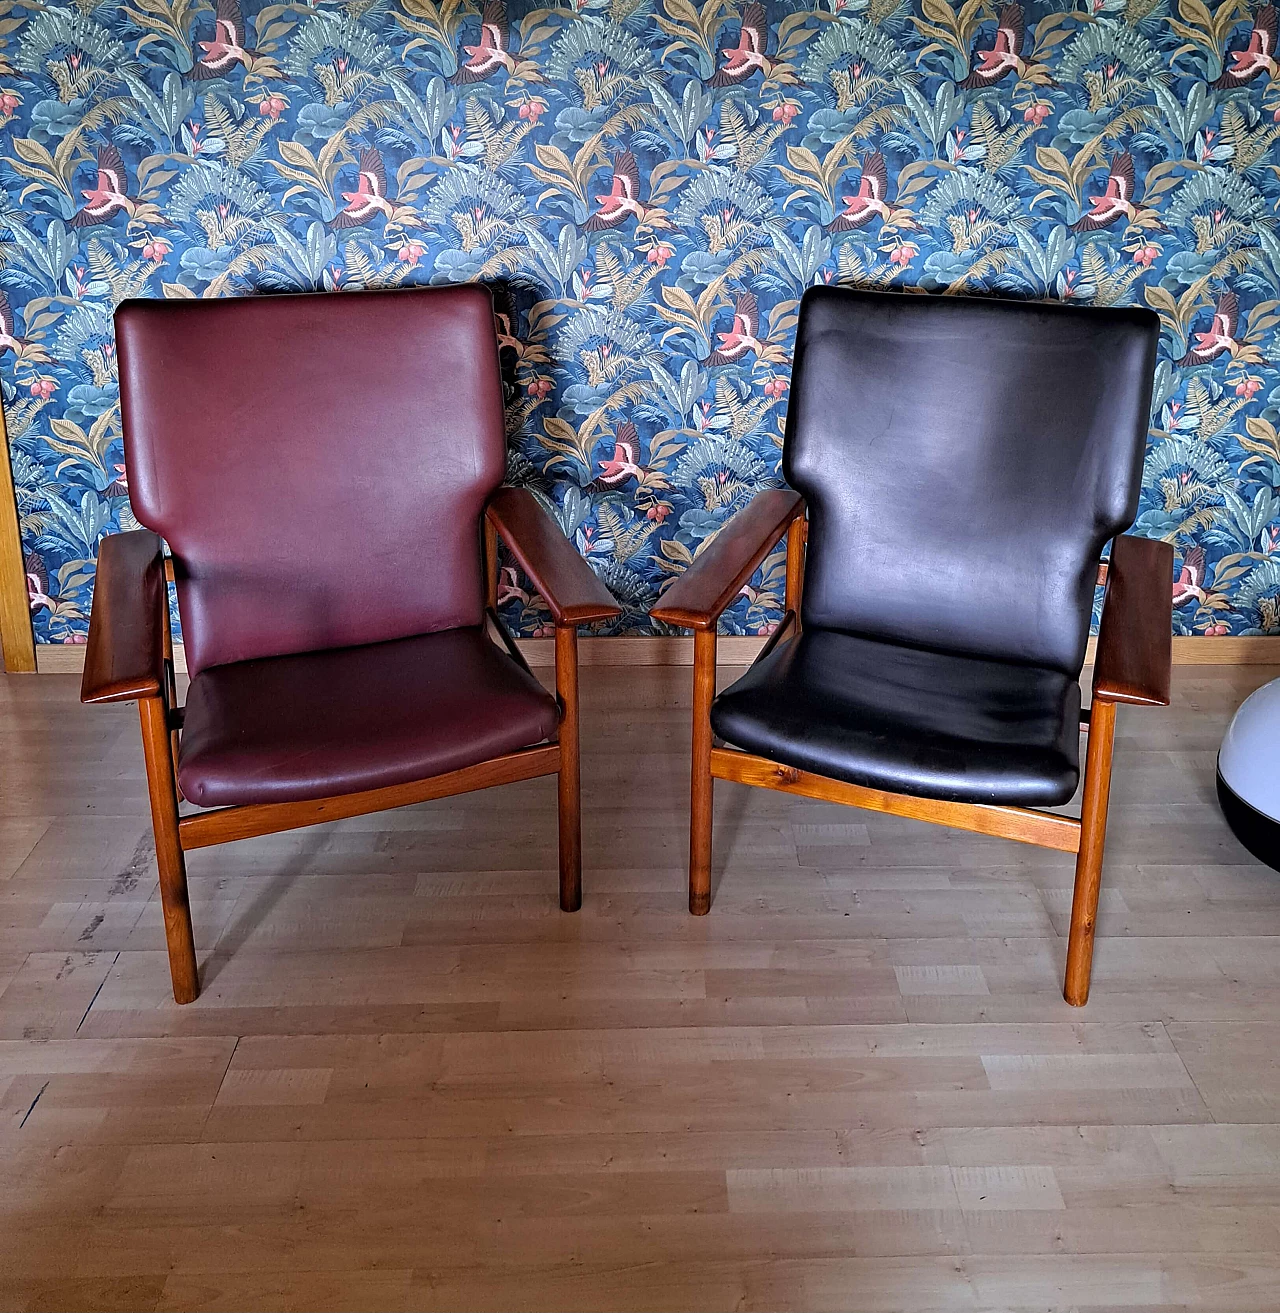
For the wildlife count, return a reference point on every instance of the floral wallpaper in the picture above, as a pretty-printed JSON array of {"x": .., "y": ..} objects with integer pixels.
[{"x": 650, "y": 185}]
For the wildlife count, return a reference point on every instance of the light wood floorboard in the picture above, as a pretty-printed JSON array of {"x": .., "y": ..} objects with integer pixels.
[{"x": 411, "y": 1082}]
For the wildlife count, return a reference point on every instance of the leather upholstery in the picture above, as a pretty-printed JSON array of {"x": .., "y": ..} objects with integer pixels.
[
  {"x": 964, "y": 461},
  {"x": 907, "y": 720},
  {"x": 317, "y": 463},
  {"x": 282, "y": 729}
]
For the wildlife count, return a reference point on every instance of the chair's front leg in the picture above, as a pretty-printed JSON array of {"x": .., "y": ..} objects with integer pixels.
[
  {"x": 570, "y": 771},
  {"x": 1093, "y": 837},
  {"x": 158, "y": 751},
  {"x": 700, "y": 782}
]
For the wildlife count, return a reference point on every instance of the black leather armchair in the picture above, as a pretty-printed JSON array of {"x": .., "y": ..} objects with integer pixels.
[{"x": 960, "y": 466}]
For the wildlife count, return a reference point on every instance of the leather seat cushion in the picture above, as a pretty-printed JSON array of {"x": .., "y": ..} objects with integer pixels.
[
  {"x": 282, "y": 729},
  {"x": 905, "y": 720}
]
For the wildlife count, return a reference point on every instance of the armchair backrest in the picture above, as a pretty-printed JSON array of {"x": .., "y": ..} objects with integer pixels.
[
  {"x": 964, "y": 461},
  {"x": 317, "y": 463}
]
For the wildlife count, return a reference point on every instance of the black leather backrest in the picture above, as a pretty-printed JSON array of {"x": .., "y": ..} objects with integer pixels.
[{"x": 965, "y": 461}]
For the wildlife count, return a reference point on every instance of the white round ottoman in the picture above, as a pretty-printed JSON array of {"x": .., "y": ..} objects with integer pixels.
[{"x": 1249, "y": 774}]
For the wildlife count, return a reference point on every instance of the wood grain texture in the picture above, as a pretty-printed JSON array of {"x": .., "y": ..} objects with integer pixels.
[
  {"x": 157, "y": 751},
  {"x": 17, "y": 642},
  {"x": 1135, "y": 647},
  {"x": 797, "y": 544},
  {"x": 1047, "y": 829},
  {"x": 569, "y": 787},
  {"x": 568, "y": 584},
  {"x": 1094, "y": 804},
  {"x": 410, "y": 1082},
  {"x": 489, "y": 557},
  {"x": 124, "y": 657},
  {"x": 701, "y": 783},
  {"x": 699, "y": 596},
  {"x": 226, "y": 824}
]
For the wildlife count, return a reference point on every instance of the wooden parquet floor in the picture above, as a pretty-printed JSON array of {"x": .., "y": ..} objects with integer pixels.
[{"x": 412, "y": 1083}]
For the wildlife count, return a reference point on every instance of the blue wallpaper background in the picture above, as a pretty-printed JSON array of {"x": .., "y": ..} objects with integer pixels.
[{"x": 650, "y": 185}]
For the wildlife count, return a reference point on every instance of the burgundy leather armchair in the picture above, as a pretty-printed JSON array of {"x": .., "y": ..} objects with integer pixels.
[
  {"x": 960, "y": 465},
  {"x": 325, "y": 470}
]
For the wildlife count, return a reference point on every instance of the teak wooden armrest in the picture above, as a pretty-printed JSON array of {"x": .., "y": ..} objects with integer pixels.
[
  {"x": 124, "y": 659},
  {"x": 569, "y": 585},
  {"x": 697, "y": 599},
  {"x": 1135, "y": 637}
]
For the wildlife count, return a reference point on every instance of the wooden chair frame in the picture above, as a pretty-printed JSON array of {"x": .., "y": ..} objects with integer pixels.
[
  {"x": 130, "y": 658},
  {"x": 1133, "y": 665}
]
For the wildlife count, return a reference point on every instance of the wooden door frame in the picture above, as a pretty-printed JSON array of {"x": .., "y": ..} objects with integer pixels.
[{"x": 17, "y": 638}]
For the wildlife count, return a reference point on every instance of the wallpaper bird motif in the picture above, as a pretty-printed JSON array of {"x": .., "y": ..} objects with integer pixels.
[{"x": 649, "y": 186}]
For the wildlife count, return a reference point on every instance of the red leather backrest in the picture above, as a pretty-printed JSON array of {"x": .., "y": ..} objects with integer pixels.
[{"x": 317, "y": 463}]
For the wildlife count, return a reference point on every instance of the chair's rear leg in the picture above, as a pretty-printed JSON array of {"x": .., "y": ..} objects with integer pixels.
[
  {"x": 171, "y": 692},
  {"x": 490, "y": 563},
  {"x": 701, "y": 784},
  {"x": 797, "y": 538},
  {"x": 569, "y": 777},
  {"x": 156, "y": 747},
  {"x": 1093, "y": 837}
]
